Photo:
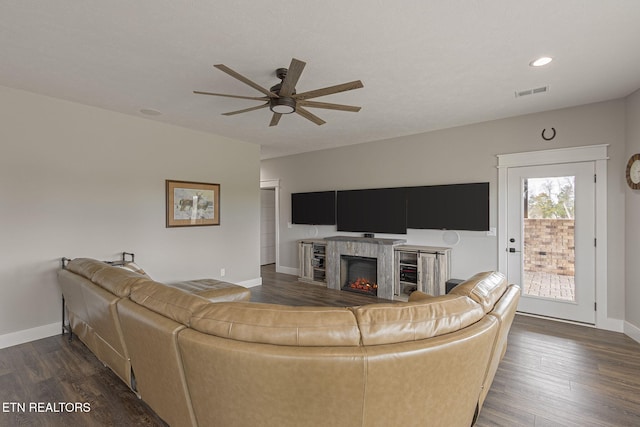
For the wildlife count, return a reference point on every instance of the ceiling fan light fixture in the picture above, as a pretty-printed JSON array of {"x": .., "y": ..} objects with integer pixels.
[
  {"x": 541, "y": 62},
  {"x": 283, "y": 105}
]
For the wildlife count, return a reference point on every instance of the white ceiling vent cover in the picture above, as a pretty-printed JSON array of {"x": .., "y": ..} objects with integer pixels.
[{"x": 543, "y": 89}]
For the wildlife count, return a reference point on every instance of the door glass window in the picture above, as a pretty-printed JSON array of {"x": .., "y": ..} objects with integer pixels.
[{"x": 548, "y": 243}]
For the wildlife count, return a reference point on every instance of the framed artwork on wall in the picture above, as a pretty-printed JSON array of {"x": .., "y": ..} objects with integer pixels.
[{"x": 192, "y": 203}]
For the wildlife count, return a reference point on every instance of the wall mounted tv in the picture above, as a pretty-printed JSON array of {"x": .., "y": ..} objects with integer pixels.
[
  {"x": 316, "y": 208},
  {"x": 380, "y": 210},
  {"x": 450, "y": 207}
]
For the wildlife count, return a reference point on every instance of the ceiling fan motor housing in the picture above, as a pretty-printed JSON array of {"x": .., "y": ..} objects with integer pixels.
[{"x": 281, "y": 73}]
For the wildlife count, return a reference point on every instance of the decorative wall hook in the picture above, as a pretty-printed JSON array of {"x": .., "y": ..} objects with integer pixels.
[{"x": 551, "y": 137}]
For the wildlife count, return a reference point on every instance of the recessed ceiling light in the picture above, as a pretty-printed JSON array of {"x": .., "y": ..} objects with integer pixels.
[
  {"x": 541, "y": 61},
  {"x": 150, "y": 112}
]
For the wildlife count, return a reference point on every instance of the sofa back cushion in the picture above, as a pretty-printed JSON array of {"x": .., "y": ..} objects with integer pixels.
[
  {"x": 85, "y": 267},
  {"x": 411, "y": 321},
  {"x": 168, "y": 301},
  {"x": 118, "y": 281},
  {"x": 278, "y": 324},
  {"x": 484, "y": 288}
]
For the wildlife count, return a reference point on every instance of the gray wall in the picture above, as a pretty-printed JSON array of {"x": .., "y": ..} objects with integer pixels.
[
  {"x": 632, "y": 229},
  {"x": 79, "y": 181},
  {"x": 458, "y": 155}
]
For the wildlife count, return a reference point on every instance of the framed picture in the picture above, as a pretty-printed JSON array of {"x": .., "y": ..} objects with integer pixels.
[{"x": 192, "y": 203}]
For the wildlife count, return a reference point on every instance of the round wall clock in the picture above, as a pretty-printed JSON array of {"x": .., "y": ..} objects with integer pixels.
[{"x": 633, "y": 172}]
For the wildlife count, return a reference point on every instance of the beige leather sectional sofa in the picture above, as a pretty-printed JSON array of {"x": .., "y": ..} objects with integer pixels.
[{"x": 199, "y": 354}]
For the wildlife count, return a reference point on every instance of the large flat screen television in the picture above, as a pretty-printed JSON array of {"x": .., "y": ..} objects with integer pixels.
[
  {"x": 450, "y": 207},
  {"x": 380, "y": 210},
  {"x": 315, "y": 208}
]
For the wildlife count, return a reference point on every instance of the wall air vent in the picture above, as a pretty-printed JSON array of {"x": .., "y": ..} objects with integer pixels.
[{"x": 534, "y": 91}]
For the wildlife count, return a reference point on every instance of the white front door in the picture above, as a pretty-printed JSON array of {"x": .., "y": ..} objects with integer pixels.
[{"x": 551, "y": 239}]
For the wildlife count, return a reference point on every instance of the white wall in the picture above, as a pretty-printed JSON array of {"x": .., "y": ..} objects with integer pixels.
[
  {"x": 458, "y": 155},
  {"x": 78, "y": 181},
  {"x": 632, "y": 246}
]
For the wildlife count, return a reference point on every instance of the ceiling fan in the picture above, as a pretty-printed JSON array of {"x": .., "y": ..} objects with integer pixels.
[{"x": 283, "y": 99}]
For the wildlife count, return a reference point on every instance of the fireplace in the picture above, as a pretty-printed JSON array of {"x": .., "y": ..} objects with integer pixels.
[
  {"x": 369, "y": 248},
  {"x": 359, "y": 274}
]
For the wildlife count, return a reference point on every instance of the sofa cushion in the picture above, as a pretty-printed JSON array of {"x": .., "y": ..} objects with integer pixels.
[
  {"x": 484, "y": 288},
  {"x": 214, "y": 290},
  {"x": 278, "y": 324},
  {"x": 85, "y": 267},
  {"x": 132, "y": 266},
  {"x": 167, "y": 301},
  {"x": 115, "y": 280},
  {"x": 412, "y": 321}
]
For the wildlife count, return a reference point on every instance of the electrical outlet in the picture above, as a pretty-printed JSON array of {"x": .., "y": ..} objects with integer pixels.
[
  {"x": 222, "y": 272},
  {"x": 491, "y": 232}
]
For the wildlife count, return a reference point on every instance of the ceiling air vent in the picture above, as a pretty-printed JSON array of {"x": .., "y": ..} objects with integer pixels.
[{"x": 534, "y": 91}]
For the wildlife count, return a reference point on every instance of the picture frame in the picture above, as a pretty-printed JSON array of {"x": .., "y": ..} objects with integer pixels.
[{"x": 191, "y": 204}]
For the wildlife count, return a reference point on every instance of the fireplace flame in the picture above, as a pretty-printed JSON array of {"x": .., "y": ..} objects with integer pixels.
[{"x": 363, "y": 284}]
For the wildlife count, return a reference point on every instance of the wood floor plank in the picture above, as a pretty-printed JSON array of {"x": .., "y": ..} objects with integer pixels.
[{"x": 553, "y": 374}]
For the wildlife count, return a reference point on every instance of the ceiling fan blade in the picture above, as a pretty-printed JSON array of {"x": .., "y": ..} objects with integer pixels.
[
  {"x": 356, "y": 84},
  {"x": 246, "y": 110},
  {"x": 293, "y": 74},
  {"x": 245, "y": 80},
  {"x": 309, "y": 116},
  {"x": 275, "y": 119},
  {"x": 328, "y": 106},
  {"x": 255, "y": 98}
]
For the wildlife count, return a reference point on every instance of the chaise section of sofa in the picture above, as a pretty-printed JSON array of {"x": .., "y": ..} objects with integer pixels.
[{"x": 213, "y": 290}]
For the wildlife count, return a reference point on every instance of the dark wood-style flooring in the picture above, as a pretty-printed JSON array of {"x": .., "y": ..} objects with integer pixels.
[{"x": 553, "y": 374}]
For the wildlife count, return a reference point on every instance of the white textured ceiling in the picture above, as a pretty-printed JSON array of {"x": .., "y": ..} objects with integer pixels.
[{"x": 425, "y": 64}]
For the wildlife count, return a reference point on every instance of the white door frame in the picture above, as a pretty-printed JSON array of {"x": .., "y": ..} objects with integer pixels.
[
  {"x": 275, "y": 184},
  {"x": 595, "y": 153}
]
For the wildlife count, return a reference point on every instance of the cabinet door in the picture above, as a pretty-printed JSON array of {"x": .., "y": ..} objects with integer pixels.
[
  {"x": 305, "y": 255},
  {"x": 442, "y": 272},
  {"x": 427, "y": 274}
]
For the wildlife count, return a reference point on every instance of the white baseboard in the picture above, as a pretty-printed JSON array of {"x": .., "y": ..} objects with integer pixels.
[
  {"x": 632, "y": 331},
  {"x": 27, "y": 335},
  {"x": 609, "y": 324},
  {"x": 251, "y": 282},
  {"x": 287, "y": 270}
]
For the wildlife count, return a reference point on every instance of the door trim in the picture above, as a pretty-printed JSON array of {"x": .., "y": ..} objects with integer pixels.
[
  {"x": 275, "y": 184},
  {"x": 595, "y": 153}
]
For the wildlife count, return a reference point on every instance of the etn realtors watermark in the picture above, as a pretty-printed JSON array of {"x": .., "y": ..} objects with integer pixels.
[{"x": 44, "y": 407}]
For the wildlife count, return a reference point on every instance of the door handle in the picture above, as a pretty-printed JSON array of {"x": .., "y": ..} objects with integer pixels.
[{"x": 513, "y": 250}]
